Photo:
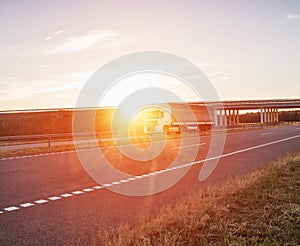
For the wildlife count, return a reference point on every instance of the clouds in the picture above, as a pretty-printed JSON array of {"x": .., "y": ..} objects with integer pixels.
[
  {"x": 79, "y": 43},
  {"x": 54, "y": 34},
  {"x": 293, "y": 16},
  {"x": 63, "y": 84},
  {"x": 59, "y": 32}
]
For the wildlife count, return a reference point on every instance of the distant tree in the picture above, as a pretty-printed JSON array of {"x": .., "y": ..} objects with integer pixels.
[{"x": 284, "y": 116}]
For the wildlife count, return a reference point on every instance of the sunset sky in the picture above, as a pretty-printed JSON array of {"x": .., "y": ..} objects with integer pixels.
[{"x": 48, "y": 49}]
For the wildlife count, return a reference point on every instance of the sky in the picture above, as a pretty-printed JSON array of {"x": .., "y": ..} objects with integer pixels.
[{"x": 49, "y": 49}]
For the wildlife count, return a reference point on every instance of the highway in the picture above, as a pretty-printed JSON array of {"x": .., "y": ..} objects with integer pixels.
[{"x": 49, "y": 199}]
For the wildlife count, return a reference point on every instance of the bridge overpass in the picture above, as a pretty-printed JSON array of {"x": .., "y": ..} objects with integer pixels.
[
  {"x": 59, "y": 120},
  {"x": 227, "y": 112}
]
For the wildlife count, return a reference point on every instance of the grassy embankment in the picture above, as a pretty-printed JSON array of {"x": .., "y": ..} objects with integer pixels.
[{"x": 260, "y": 208}]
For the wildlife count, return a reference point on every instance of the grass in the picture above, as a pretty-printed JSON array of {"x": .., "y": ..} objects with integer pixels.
[{"x": 262, "y": 208}]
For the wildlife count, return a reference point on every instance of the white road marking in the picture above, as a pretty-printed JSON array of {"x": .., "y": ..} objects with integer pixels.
[
  {"x": 97, "y": 187},
  {"x": 26, "y": 205},
  {"x": 66, "y": 195},
  {"x": 78, "y": 192},
  {"x": 41, "y": 201},
  {"x": 11, "y": 209},
  {"x": 132, "y": 178},
  {"x": 187, "y": 146},
  {"x": 54, "y": 198},
  {"x": 88, "y": 189},
  {"x": 124, "y": 181},
  {"x": 266, "y": 133},
  {"x": 1, "y": 212}
]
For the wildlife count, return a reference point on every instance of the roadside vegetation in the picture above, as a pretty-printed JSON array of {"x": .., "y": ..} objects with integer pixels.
[{"x": 260, "y": 208}]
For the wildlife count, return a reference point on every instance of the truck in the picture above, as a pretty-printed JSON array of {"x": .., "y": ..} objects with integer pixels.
[{"x": 175, "y": 118}]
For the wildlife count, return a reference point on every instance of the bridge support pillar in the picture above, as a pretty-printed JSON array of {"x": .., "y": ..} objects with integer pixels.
[
  {"x": 216, "y": 117},
  {"x": 265, "y": 115},
  {"x": 227, "y": 116},
  {"x": 221, "y": 117},
  {"x": 261, "y": 115},
  {"x": 271, "y": 115},
  {"x": 224, "y": 117}
]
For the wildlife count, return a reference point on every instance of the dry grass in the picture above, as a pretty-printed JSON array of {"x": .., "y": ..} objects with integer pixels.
[{"x": 261, "y": 208}]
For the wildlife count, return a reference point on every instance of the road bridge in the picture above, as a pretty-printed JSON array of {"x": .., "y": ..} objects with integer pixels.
[{"x": 227, "y": 112}]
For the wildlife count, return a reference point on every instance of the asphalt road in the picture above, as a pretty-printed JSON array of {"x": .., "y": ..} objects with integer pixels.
[{"x": 51, "y": 200}]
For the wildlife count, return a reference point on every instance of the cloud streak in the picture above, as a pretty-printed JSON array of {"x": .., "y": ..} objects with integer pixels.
[
  {"x": 59, "y": 32},
  {"x": 83, "y": 42},
  {"x": 61, "y": 84},
  {"x": 293, "y": 16}
]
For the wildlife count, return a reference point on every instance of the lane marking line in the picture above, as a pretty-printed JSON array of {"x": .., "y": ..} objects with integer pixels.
[
  {"x": 66, "y": 195},
  {"x": 78, "y": 192},
  {"x": 26, "y": 205},
  {"x": 88, "y": 189},
  {"x": 41, "y": 201},
  {"x": 54, "y": 198},
  {"x": 132, "y": 178},
  {"x": 187, "y": 146},
  {"x": 124, "y": 180},
  {"x": 97, "y": 187},
  {"x": 9, "y": 209},
  {"x": 266, "y": 133}
]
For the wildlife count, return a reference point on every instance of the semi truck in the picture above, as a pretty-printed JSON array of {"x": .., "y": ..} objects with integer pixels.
[{"x": 174, "y": 118}]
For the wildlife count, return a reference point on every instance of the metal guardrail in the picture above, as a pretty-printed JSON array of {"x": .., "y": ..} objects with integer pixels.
[{"x": 51, "y": 138}]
